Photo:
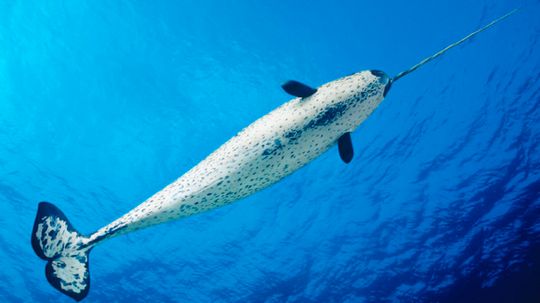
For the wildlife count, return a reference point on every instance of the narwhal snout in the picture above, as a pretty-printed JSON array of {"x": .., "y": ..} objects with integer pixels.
[{"x": 384, "y": 79}]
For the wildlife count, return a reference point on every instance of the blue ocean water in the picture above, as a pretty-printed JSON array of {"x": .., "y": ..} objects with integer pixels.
[{"x": 103, "y": 103}]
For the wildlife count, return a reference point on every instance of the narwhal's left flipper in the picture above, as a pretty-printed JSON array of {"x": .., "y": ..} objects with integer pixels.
[{"x": 345, "y": 147}]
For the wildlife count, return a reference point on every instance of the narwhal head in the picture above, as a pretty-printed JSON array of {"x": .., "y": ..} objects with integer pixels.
[
  {"x": 344, "y": 103},
  {"x": 383, "y": 79},
  {"x": 361, "y": 91}
]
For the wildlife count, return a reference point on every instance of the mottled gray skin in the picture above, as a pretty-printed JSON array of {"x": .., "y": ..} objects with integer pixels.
[{"x": 263, "y": 153}]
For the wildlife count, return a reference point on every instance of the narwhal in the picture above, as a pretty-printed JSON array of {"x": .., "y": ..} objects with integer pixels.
[{"x": 260, "y": 155}]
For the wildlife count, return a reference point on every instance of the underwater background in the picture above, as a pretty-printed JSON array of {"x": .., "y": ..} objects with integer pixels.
[{"x": 103, "y": 103}]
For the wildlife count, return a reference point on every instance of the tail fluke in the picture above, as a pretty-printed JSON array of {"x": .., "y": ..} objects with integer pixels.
[{"x": 55, "y": 240}]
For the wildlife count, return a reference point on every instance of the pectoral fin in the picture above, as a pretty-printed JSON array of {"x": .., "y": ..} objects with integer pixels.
[
  {"x": 345, "y": 147},
  {"x": 298, "y": 89}
]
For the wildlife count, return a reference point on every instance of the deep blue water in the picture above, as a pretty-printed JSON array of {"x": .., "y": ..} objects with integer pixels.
[{"x": 103, "y": 103}]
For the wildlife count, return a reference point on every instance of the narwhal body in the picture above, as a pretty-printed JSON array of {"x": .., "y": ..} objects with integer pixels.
[{"x": 265, "y": 152}]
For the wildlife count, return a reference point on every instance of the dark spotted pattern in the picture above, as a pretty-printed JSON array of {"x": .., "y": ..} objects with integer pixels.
[
  {"x": 274, "y": 149},
  {"x": 263, "y": 153},
  {"x": 328, "y": 116}
]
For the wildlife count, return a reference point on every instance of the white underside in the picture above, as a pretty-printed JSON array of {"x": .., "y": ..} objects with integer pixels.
[{"x": 263, "y": 153}]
